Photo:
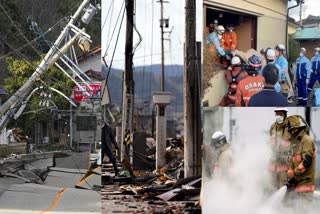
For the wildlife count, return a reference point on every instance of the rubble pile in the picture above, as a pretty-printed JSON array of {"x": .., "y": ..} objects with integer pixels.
[{"x": 147, "y": 191}]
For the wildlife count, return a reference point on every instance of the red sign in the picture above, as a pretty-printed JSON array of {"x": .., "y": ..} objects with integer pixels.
[{"x": 84, "y": 93}]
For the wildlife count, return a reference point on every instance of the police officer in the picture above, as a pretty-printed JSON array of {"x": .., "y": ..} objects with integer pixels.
[
  {"x": 315, "y": 73},
  {"x": 302, "y": 76}
]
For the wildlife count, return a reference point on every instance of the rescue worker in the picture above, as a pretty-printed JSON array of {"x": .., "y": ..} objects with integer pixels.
[
  {"x": 270, "y": 58},
  {"x": 301, "y": 173},
  {"x": 250, "y": 85},
  {"x": 302, "y": 77},
  {"x": 223, "y": 155},
  {"x": 280, "y": 147},
  {"x": 234, "y": 74},
  {"x": 282, "y": 62},
  {"x": 229, "y": 40},
  {"x": 107, "y": 138},
  {"x": 315, "y": 72},
  {"x": 213, "y": 37}
]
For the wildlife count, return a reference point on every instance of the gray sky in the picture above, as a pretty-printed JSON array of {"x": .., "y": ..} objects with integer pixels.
[
  {"x": 310, "y": 7},
  {"x": 174, "y": 10}
]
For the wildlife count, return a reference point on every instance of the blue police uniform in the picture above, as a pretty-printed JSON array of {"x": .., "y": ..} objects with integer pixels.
[
  {"x": 315, "y": 73},
  {"x": 302, "y": 73}
]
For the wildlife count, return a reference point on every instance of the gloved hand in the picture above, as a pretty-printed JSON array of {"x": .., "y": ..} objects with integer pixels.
[
  {"x": 291, "y": 184},
  {"x": 307, "y": 81}
]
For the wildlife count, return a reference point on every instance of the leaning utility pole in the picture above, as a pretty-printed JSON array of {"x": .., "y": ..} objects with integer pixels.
[
  {"x": 192, "y": 113},
  {"x": 128, "y": 84}
]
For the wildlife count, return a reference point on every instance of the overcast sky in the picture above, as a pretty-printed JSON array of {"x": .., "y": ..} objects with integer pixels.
[
  {"x": 174, "y": 10},
  {"x": 310, "y": 7}
]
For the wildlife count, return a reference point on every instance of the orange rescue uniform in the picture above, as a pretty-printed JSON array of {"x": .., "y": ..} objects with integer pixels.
[
  {"x": 229, "y": 41},
  {"x": 247, "y": 88}
]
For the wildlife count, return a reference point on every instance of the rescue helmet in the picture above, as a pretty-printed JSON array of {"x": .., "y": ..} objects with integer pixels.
[
  {"x": 280, "y": 109},
  {"x": 296, "y": 121},
  {"x": 218, "y": 139},
  {"x": 280, "y": 47},
  {"x": 220, "y": 29},
  {"x": 303, "y": 50},
  {"x": 254, "y": 63},
  {"x": 270, "y": 55},
  {"x": 235, "y": 61},
  {"x": 317, "y": 49}
]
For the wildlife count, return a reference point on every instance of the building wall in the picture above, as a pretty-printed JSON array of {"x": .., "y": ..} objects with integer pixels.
[
  {"x": 292, "y": 28},
  {"x": 271, "y": 27},
  {"x": 310, "y": 45}
]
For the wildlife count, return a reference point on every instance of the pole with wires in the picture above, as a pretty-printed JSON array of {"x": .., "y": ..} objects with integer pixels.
[
  {"x": 48, "y": 60},
  {"x": 192, "y": 112}
]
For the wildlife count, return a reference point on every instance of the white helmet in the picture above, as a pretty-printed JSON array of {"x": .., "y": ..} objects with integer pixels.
[
  {"x": 303, "y": 50},
  {"x": 280, "y": 47},
  {"x": 220, "y": 29},
  {"x": 271, "y": 54},
  {"x": 218, "y": 139},
  {"x": 317, "y": 49},
  {"x": 281, "y": 109},
  {"x": 235, "y": 60}
]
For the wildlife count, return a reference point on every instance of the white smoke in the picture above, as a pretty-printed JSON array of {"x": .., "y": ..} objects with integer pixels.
[{"x": 247, "y": 191}]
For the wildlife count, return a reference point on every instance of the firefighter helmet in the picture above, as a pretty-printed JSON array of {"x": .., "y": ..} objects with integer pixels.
[
  {"x": 296, "y": 121},
  {"x": 218, "y": 139},
  {"x": 254, "y": 63},
  {"x": 280, "y": 109}
]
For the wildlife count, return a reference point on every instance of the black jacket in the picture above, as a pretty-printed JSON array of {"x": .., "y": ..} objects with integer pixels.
[
  {"x": 107, "y": 137},
  {"x": 268, "y": 97}
]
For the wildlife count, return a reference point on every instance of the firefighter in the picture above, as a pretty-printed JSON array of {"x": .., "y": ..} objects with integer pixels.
[
  {"x": 107, "y": 138},
  {"x": 229, "y": 40},
  {"x": 234, "y": 74},
  {"x": 250, "y": 85},
  {"x": 315, "y": 72},
  {"x": 282, "y": 62},
  {"x": 302, "y": 77},
  {"x": 301, "y": 173},
  {"x": 280, "y": 147},
  {"x": 223, "y": 153},
  {"x": 213, "y": 37}
]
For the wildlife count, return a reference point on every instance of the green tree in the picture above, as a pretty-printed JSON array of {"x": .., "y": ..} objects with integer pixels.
[{"x": 20, "y": 71}]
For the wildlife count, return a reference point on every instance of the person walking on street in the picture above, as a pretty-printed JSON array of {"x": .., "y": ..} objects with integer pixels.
[{"x": 107, "y": 139}]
